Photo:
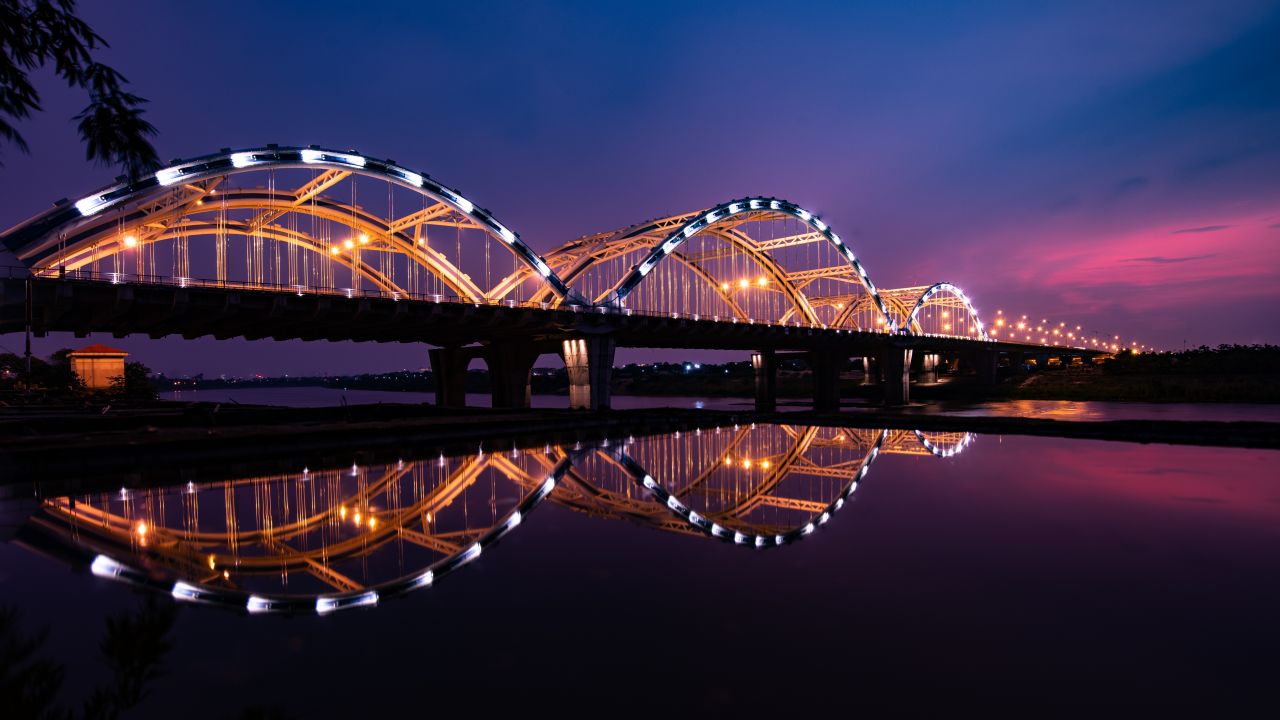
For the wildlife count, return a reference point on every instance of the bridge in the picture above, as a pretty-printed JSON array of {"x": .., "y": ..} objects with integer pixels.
[
  {"x": 319, "y": 541},
  {"x": 310, "y": 243}
]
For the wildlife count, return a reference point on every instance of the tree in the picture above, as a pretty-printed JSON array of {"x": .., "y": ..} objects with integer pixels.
[
  {"x": 134, "y": 382},
  {"x": 37, "y": 33},
  {"x": 57, "y": 374}
]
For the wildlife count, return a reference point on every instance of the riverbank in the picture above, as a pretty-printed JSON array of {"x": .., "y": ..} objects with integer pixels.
[{"x": 1095, "y": 383}]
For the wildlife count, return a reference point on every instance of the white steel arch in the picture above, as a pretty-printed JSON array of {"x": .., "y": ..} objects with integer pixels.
[
  {"x": 954, "y": 290},
  {"x": 37, "y": 239},
  {"x": 719, "y": 213}
]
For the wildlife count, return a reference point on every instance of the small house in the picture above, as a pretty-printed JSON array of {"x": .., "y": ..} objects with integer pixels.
[{"x": 97, "y": 365}]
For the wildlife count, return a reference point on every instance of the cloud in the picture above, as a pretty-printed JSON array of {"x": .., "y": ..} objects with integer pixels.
[
  {"x": 1162, "y": 260},
  {"x": 1204, "y": 229}
]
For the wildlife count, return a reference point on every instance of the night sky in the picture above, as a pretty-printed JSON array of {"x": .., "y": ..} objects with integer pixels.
[{"x": 1116, "y": 167}]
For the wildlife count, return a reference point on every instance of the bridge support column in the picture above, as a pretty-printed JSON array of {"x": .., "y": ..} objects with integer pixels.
[
  {"x": 825, "y": 366},
  {"x": 589, "y": 361},
  {"x": 895, "y": 364},
  {"x": 449, "y": 367},
  {"x": 510, "y": 365},
  {"x": 929, "y": 367},
  {"x": 765, "y": 364},
  {"x": 985, "y": 363},
  {"x": 868, "y": 376}
]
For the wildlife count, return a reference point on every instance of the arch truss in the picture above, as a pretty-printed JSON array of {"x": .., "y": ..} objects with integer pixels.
[{"x": 320, "y": 220}]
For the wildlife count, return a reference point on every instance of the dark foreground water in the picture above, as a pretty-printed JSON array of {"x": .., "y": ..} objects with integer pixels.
[{"x": 744, "y": 572}]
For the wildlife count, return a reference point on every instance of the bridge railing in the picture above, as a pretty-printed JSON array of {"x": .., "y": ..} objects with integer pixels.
[{"x": 124, "y": 278}]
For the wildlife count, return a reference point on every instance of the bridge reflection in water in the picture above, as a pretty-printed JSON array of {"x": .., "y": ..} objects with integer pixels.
[{"x": 327, "y": 540}]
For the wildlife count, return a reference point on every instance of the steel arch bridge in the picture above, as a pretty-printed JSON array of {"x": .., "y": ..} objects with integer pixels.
[
  {"x": 334, "y": 539},
  {"x": 320, "y": 221}
]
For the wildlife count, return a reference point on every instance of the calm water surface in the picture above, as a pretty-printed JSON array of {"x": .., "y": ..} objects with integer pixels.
[
  {"x": 1052, "y": 409},
  {"x": 739, "y": 571}
]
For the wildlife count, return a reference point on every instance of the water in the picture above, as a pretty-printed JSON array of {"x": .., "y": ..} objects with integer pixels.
[
  {"x": 1111, "y": 410},
  {"x": 954, "y": 571},
  {"x": 329, "y": 397},
  {"x": 1051, "y": 409}
]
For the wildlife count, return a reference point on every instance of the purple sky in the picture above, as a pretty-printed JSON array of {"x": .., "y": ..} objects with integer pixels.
[{"x": 1116, "y": 167}]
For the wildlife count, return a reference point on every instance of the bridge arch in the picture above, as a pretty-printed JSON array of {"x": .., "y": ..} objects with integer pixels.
[
  {"x": 722, "y": 221},
  {"x": 73, "y": 231},
  {"x": 959, "y": 301}
]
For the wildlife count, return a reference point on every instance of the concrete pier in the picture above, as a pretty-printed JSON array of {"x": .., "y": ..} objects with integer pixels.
[{"x": 589, "y": 361}]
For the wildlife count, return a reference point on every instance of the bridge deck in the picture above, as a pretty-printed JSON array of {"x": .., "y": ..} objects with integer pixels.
[{"x": 86, "y": 306}]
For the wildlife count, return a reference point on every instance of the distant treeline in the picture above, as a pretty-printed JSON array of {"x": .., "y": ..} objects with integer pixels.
[
  {"x": 1204, "y": 360},
  {"x": 1227, "y": 373}
]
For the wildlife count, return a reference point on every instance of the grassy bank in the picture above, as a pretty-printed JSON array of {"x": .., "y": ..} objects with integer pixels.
[
  {"x": 1228, "y": 373},
  {"x": 1095, "y": 384}
]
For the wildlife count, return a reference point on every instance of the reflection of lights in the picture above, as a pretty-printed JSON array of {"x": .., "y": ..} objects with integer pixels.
[
  {"x": 103, "y": 566},
  {"x": 184, "y": 591},
  {"x": 141, "y": 529},
  {"x": 342, "y": 513},
  {"x": 470, "y": 554},
  {"x": 329, "y": 604},
  {"x": 213, "y": 562}
]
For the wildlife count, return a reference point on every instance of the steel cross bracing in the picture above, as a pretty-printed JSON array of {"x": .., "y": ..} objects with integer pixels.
[{"x": 321, "y": 220}]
